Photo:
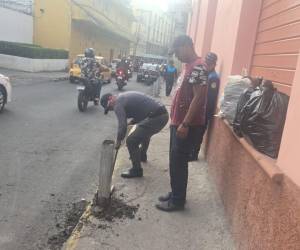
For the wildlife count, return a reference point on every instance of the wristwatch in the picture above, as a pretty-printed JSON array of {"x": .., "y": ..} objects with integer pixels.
[{"x": 185, "y": 125}]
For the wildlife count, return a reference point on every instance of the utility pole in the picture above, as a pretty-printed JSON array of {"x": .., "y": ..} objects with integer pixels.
[{"x": 137, "y": 38}]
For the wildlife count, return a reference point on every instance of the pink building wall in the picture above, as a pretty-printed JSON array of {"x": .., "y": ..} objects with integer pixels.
[
  {"x": 205, "y": 27},
  {"x": 227, "y": 28},
  {"x": 225, "y": 36},
  {"x": 234, "y": 35},
  {"x": 210, "y": 26},
  {"x": 289, "y": 158},
  {"x": 194, "y": 19},
  {"x": 201, "y": 27},
  {"x": 231, "y": 33},
  {"x": 262, "y": 213},
  {"x": 248, "y": 24}
]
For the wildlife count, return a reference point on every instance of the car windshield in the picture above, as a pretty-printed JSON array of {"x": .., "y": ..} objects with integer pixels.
[
  {"x": 145, "y": 66},
  {"x": 151, "y": 67}
]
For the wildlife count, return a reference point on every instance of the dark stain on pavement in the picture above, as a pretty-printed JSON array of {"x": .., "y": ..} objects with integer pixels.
[
  {"x": 117, "y": 209},
  {"x": 55, "y": 242}
]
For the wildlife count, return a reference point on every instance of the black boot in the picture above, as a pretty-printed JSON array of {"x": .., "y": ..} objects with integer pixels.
[
  {"x": 133, "y": 173},
  {"x": 169, "y": 206},
  {"x": 165, "y": 197}
]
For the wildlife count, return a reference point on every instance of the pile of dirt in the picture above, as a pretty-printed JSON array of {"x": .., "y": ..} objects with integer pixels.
[
  {"x": 117, "y": 209},
  {"x": 72, "y": 217}
]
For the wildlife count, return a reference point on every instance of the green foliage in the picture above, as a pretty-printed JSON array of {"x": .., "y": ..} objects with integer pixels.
[{"x": 31, "y": 51}]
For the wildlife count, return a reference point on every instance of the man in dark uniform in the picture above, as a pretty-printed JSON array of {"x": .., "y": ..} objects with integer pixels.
[
  {"x": 188, "y": 115},
  {"x": 212, "y": 95},
  {"x": 149, "y": 115}
]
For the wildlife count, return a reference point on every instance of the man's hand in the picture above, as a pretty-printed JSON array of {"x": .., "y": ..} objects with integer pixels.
[
  {"x": 118, "y": 145},
  {"x": 131, "y": 122},
  {"x": 182, "y": 132}
]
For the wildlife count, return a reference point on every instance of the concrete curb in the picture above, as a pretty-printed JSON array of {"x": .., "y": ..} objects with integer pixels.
[{"x": 71, "y": 243}]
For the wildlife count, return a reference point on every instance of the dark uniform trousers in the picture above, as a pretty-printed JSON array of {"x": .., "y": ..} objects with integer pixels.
[
  {"x": 180, "y": 149},
  {"x": 169, "y": 86},
  {"x": 99, "y": 84},
  {"x": 197, "y": 141},
  {"x": 138, "y": 141}
]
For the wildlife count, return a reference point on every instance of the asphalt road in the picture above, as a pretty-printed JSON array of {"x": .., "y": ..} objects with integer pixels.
[{"x": 49, "y": 158}]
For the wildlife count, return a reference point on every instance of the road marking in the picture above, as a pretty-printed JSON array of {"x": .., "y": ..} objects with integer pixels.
[{"x": 75, "y": 235}]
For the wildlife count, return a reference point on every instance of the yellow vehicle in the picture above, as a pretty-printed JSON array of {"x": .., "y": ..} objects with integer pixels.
[{"x": 75, "y": 71}]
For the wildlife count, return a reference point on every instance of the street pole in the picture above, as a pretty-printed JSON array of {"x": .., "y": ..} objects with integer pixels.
[{"x": 107, "y": 162}]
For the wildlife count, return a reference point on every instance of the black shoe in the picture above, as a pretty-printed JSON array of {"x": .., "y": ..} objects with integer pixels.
[
  {"x": 133, "y": 173},
  {"x": 143, "y": 158},
  {"x": 165, "y": 197},
  {"x": 169, "y": 206}
]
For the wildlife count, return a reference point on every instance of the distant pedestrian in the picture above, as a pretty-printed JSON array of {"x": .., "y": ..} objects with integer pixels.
[
  {"x": 188, "y": 115},
  {"x": 149, "y": 115},
  {"x": 212, "y": 95},
  {"x": 170, "y": 76}
]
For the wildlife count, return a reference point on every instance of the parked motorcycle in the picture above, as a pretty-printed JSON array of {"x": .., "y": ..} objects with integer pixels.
[
  {"x": 86, "y": 93},
  {"x": 120, "y": 79}
]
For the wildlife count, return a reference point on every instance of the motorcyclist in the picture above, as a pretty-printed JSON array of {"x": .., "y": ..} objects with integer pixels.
[
  {"x": 124, "y": 66},
  {"x": 90, "y": 70}
]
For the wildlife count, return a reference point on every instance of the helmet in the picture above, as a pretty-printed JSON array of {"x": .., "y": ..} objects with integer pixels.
[{"x": 89, "y": 52}]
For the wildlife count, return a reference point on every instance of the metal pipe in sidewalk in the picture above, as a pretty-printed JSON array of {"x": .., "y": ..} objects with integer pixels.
[{"x": 107, "y": 163}]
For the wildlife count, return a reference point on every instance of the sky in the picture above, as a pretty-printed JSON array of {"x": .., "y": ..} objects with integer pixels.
[{"x": 161, "y": 4}]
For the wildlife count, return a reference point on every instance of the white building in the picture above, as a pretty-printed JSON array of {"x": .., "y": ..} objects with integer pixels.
[
  {"x": 23, "y": 6},
  {"x": 181, "y": 10},
  {"x": 13, "y": 15},
  {"x": 154, "y": 31}
]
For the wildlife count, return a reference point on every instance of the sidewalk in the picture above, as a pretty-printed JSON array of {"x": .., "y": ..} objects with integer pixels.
[
  {"x": 21, "y": 77},
  {"x": 201, "y": 226}
]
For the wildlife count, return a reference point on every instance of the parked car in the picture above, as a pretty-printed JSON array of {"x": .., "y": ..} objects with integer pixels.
[
  {"x": 75, "y": 71},
  {"x": 5, "y": 91},
  {"x": 148, "y": 73}
]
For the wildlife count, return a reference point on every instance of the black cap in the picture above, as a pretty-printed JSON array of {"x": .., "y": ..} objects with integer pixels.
[
  {"x": 104, "y": 102},
  {"x": 180, "y": 41},
  {"x": 211, "y": 58}
]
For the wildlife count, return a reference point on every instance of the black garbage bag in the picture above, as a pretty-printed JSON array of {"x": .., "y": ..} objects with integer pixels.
[
  {"x": 244, "y": 98},
  {"x": 262, "y": 119}
]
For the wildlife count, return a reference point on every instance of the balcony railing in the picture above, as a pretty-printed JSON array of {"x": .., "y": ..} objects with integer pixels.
[{"x": 23, "y": 6}]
